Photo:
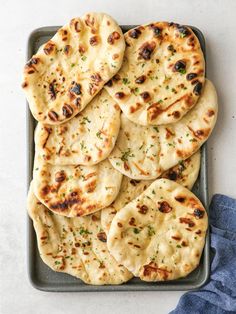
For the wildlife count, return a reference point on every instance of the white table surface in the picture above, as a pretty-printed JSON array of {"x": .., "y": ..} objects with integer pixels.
[{"x": 216, "y": 19}]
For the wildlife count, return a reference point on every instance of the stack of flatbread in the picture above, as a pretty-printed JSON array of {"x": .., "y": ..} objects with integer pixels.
[{"x": 121, "y": 119}]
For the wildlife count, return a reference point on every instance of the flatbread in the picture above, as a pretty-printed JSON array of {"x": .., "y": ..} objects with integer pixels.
[
  {"x": 161, "y": 234},
  {"x": 72, "y": 67},
  {"x": 162, "y": 75},
  {"x": 76, "y": 246},
  {"x": 86, "y": 139},
  {"x": 143, "y": 153},
  {"x": 185, "y": 173},
  {"x": 75, "y": 190}
]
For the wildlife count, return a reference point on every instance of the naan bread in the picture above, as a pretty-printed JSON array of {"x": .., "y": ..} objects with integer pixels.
[
  {"x": 75, "y": 190},
  {"x": 159, "y": 235},
  {"x": 86, "y": 139},
  {"x": 76, "y": 246},
  {"x": 72, "y": 67},
  {"x": 185, "y": 173},
  {"x": 143, "y": 153},
  {"x": 162, "y": 75}
]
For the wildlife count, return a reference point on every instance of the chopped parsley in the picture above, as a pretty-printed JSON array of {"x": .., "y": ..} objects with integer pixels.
[
  {"x": 82, "y": 145},
  {"x": 83, "y": 58},
  {"x": 173, "y": 90},
  {"x": 84, "y": 231},
  {"x": 136, "y": 230},
  {"x": 151, "y": 231},
  {"x": 182, "y": 71},
  {"x": 156, "y": 129},
  {"x": 125, "y": 81},
  {"x": 126, "y": 155},
  {"x": 98, "y": 134},
  {"x": 135, "y": 91},
  {"x": 85, "y": 119}
]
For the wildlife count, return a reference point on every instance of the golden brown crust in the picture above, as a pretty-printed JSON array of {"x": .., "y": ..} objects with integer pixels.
[
  {"x": 72, "y": 67},
  {"x": 162, "y": 75},
  {"x": 145, "y": 152},
  {"x": 166, "y": 241},
  {"x": 76, "y": 246},
  {"x": 87, "y": 139},
  {"x": 75, "y": 190}
]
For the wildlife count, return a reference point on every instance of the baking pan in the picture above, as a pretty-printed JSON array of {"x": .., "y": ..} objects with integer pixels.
[{"x": 42, "y": 277}]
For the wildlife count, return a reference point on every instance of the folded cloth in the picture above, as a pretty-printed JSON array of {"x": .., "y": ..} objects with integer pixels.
[{"x": 219, "y": 294}]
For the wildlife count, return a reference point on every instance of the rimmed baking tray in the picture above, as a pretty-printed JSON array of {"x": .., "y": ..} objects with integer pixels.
[{"x": 42, "y": 277}]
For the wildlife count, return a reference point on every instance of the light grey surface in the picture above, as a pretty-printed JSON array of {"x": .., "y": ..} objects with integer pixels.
[
  {"x": 42, "y": 277},
  {"x": 217, "y": 20}
]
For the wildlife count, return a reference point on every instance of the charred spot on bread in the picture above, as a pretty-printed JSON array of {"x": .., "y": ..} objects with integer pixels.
[{"x": 164, "y": 207}]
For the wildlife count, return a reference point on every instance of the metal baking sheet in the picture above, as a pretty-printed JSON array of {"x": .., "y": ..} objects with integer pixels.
[{"x": 42, "y": 277}]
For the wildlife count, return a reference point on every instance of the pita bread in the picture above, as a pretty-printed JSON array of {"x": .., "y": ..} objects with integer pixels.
[
  {"x": 185, "y": 173},
  {"x": 86, "y": 139},
  {"x": 72, "y": 67},
  {"x": 159, "y": 235},
  {"x": 143, "y": 153},
  {"x": 75, "y": 190},
  {"x": 76, "y": 246},
  {"x": 162, "y": 75}
]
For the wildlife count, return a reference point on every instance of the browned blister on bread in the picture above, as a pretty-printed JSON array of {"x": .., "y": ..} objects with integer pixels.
[
  {"x": 75, "y": 190},
  {"x": 164, "y": 241},
  {"x": 185, "y": 173},
  {"x": 72, "y": 67},
  {"x": 86, "y": 139},
  {"x": 145, "y": 152},
  {"x": 162, "y": 75},
  {"x": 76, "y": 246}
]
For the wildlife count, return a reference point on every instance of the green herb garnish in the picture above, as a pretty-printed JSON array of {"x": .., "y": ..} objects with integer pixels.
[
  {"x": 126, "y": 155},
  {"x": 151, "y": 231},
  {"x": 98, "y": 134},
  {"x": 125, "y": 81},
  {"x": 84, "y": 231}
]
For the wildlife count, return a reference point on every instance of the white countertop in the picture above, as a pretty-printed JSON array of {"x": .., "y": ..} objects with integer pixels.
[{"x": 216, "y": 19}]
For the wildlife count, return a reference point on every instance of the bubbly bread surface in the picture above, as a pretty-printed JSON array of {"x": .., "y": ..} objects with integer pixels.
[
  {"x": 76, "y": 246},
  {"x": 86, "y": 139},
  {"x": 75, "y": 190},
  {"x": 185, "y": 173},
  {"x": 162, "y": 75},
  {"x": 145, "y": 152},
  {"x": 72, "y": 67},
  {"x": 160, "y": 235}
]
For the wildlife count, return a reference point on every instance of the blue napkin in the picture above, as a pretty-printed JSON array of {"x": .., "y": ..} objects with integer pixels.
[{"x": 219, "y": 294}]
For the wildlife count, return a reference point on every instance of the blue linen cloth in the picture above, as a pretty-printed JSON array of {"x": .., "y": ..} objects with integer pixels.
[{"x": 218, "y": 296}]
